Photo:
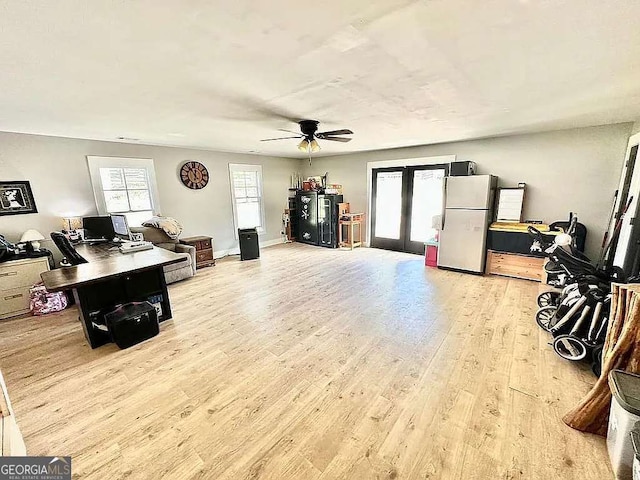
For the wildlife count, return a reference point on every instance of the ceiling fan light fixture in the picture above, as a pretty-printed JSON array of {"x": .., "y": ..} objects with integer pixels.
[
  {"x": 309, "y": 136},
  {"x": 303, "y": 146}
]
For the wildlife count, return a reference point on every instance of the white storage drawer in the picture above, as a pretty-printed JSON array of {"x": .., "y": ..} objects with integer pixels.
[
  {"x": 16, "y": 278},
  {"x": 14, "y": 301},
  {"x": 22, "y": 273}
]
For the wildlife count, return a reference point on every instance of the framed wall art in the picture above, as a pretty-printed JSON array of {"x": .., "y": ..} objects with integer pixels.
[
  {"x": 510, "y": 203},
  {"x": 16, "y": 198}
]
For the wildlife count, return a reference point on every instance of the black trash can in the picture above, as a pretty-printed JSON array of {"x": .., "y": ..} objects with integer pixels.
[{"x": 249, "y": 248}]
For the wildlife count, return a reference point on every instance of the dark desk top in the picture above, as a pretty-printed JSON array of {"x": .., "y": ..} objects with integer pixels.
[{"x": 105, "y": 263}]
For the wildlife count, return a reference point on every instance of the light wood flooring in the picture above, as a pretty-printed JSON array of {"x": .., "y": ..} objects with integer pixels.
[{"x": 310, "y": 364}]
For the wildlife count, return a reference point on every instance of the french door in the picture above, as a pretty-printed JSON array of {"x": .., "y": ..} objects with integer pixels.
[{"x": 404, "y": 202}]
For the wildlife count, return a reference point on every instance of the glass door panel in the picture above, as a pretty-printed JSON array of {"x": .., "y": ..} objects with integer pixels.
[
  {"x": 405, "y": 203},
  {"x": 424, "y": 206},
  {"x": 388, "y": 199},
  {"x": 389, "y": 205}
]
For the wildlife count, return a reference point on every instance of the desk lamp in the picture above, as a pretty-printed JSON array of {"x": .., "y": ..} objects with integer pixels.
[
  {"x": 32, "y": 239},
  {"x": 70, "y": 226}
]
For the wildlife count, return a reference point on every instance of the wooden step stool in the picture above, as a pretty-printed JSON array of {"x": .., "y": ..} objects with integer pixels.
[{"x": 351, "y": 221}]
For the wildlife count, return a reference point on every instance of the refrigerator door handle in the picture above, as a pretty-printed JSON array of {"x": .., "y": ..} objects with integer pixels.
[{"x": 444, "y": 202}]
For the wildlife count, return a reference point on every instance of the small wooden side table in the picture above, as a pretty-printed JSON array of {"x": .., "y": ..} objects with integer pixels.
[
  {"x": 355, "y": 220},
  {"x": 204, "y": 250}
]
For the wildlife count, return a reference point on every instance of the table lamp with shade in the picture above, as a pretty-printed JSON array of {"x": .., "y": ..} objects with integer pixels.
[
  {"x": 70, "y": 227},
  {"x": 32, "y": 240}
]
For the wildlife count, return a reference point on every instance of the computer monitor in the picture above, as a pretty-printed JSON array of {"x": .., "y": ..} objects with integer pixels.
[
  {"x": 98, "y": 228},
  {"x": 121, "y": 227}
]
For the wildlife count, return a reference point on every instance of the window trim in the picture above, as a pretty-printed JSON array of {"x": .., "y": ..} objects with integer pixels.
[
  {"x": 95, "y": 163},
  {"x": 245, "y": 167}
]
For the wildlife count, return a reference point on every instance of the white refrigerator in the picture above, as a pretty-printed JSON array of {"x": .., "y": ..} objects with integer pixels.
[{"x": 468, "y": 212}]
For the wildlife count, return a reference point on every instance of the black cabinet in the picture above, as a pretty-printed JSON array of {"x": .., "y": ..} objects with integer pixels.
[
  {"x": 293, "y": 217},
  {"x": 307, "y": 210},
  {"x": 317, "y": 218}
]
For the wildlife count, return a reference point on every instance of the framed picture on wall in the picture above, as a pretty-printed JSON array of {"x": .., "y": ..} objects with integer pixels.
[
  {"x": 16, "y": 198},
  {"x": 510, "y": 203}
]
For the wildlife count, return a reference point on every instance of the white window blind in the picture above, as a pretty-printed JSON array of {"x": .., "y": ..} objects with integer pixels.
[
  {"x": 246, "y": 196},
  {"x": 124, "y": 186}
]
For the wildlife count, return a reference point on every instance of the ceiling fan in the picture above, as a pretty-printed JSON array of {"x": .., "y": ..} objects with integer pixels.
[{"x": 310, "y": 136}]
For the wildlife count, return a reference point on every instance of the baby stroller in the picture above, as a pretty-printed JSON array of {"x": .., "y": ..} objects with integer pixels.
[
  {"x": 579, "y": 323},
  {"x": 578, "y": 316}
]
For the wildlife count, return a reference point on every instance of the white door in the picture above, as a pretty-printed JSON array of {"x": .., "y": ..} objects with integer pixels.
[
  {"x": 472, "y": 192},
  {"x": 463, "y": 240},
  {"x": 624, "y": 238}
]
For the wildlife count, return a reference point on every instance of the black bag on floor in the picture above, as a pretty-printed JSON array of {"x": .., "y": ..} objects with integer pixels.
[{"x": 132, "y": 323}]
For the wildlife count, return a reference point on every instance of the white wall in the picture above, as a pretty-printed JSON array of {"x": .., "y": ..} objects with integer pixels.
[
  {"x": 59, "y": 175},
  {"x": 569, "y": 170},
  {"x": 636, "y": 127}
]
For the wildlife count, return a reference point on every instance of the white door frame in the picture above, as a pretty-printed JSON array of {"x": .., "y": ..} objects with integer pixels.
[
  {"x": 404, "y": 162},
  {"x": 634, "y": 189}
]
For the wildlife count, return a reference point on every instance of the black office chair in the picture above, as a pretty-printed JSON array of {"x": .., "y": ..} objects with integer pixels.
[{"x": 64, "y": 245}]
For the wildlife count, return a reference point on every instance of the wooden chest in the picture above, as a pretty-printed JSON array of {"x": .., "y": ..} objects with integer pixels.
[
  {"x": 514, "y": 265},
  {"x": 204, "y": 250}
]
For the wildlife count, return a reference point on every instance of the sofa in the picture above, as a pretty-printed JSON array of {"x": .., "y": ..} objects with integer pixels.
[{"x": 176, "y": 271}]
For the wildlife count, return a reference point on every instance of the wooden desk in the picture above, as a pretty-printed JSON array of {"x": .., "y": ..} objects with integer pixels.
[{"x": 112, "y": 278}]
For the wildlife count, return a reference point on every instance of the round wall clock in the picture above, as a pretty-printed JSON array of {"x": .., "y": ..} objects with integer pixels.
[{"x": 194, "y": 175}]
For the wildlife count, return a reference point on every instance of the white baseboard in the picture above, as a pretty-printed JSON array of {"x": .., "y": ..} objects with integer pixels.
[
  {"x": 271, "y": 243},
  {"x": 236, "y": 250}
]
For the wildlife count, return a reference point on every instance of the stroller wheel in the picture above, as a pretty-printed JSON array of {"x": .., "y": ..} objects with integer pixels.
[
  {"x": 546, "y": 317},
  {"x": 546, "y": 299},
  {"x": 570, "y": 348}
]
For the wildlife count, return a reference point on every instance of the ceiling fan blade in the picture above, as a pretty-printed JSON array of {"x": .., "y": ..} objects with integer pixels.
[
  {"x": 336, "y": 132},
  {"x": 281, "y": 138},
  {"x": 337, "y": 139},
  {"x": 290, "y": 131}
]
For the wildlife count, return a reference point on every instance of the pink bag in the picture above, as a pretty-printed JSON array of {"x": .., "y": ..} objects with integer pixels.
[{"x": 42, "y": 302}]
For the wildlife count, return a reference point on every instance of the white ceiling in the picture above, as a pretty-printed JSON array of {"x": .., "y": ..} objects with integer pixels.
[{"x": 222, "y": 75}]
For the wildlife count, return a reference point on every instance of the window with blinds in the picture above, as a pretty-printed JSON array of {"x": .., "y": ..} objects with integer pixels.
[
  {"x": 125, "y": 186},
  {"x": 246, "y": 194}
]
